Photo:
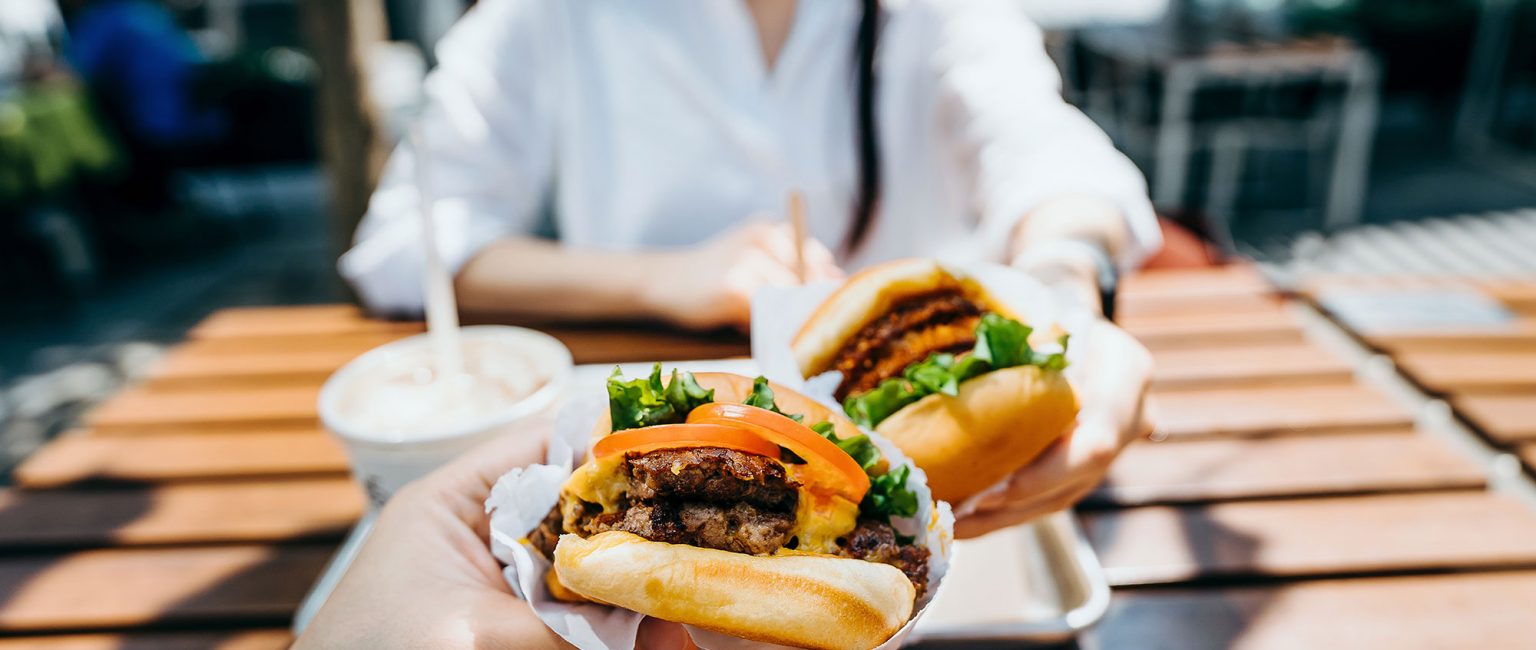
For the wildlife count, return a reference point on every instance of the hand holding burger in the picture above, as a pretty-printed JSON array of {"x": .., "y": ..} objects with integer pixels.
[{"x": 944, "y": 369}]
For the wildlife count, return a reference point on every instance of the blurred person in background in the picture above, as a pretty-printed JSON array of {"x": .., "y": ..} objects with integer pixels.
[
  {"x": 142, "y": 68},
  {"x": 619, "y": 160}
]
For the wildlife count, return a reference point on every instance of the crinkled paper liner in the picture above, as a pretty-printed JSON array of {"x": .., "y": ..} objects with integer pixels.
[{"x": 522, "y": 497}]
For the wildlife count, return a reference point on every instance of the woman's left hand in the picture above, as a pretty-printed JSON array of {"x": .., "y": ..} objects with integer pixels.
[
  {"x": 1115, "y": 375},
  {"x": 426, "y": 576}
]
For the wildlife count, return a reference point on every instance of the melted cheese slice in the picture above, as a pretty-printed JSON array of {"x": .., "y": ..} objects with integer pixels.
[
  {"x": 600, "y": 482},
  {"x": 821, "y": 519}
]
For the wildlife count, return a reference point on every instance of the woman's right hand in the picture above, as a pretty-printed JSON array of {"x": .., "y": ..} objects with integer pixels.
[{"x": 711, "y": 285}]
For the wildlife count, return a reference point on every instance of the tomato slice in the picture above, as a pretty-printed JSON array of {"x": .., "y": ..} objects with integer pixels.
[
  {"x": 826, "y": 467},
  {"x": 672, "y": 436}
]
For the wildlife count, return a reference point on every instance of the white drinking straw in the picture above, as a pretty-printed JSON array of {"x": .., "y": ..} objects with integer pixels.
[
  {"x": 442, "y": 307},
  {"x": 796, "y": 209}
]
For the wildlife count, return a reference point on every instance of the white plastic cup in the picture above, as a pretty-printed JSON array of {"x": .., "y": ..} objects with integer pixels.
[{"x": 385, "y": 458}]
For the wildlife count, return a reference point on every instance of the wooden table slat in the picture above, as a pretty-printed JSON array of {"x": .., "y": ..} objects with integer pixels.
[
  {"x": 1215, "y": 301},
  {"x": 270, "y": 511},
  {"x": 1484, "y": 610},
  {"x": 1195, "y": 281},
  {"x": 1271, "y": 409},
  {"x": 79, "y": 457},
  {"x": 1459, "y": 372},
  {"x": 1504, "y": 418},
  {"x": 1247, "y": 365},
  {"x": 118, "y": 588},
  {"x": 242, "y": 322},
  {"x": 1177, "y": 471},
  {"x": 1307, "y": 537},
  {"x": 137, "y": 410},
  {"x": 1202, "y": 330},
  {"x": 263, "y": 639}
]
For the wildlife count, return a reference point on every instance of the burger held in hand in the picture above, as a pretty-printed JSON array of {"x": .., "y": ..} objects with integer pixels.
[
  {"x": 740, "y": 507},
  {"x": 945, "y": 370}
]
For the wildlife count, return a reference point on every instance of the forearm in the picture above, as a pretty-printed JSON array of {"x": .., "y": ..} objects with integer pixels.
[
  {"x": 529, "y": 277},
  {"x": 1092, "y": 219},
  {"x": 1087, "y": 219}
]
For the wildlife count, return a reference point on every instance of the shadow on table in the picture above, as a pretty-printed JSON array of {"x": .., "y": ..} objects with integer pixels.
[
  {"x": 60, "y": 578},
  {"x": 1205, "y": 610}
]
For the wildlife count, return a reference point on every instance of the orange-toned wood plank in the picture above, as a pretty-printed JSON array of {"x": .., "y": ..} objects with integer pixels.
[
  {"x": 1238, "y": 365},
  {"x": 1458, "y": 372},
  {"x": 1141, "y": 305},
  {"x": 1504, "y": 418},
  {"x": 356, "y": 343},
  {"x": 1274, "y": 409},
  {"x": 194, "y": 513},
  {"x": 301, "y": 320},
  {"x": 79, "y": 457},
  {"x": 187, "y": 367},
  {"x": 1182, "y": 282},
  {"x": 1477, "y": 610},
  {"x": 1305, "y": 537},
  {"x": 589, "y": 344},
  {"x": 1206, "y": 330},
  {"x": 608, "y": 345},
  {"x": 1519, "y": 338},
  {"x": 1284, "y": 466},
  {"x": 140, "y": 410},
  {"x": 117, "y": 588},
  {"x": 1528, "y": 456},
  {"x": 267, "y": 639},
  {"x": 1269, "y": 312}
]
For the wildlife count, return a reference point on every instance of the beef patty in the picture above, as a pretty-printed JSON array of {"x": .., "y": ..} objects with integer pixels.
[
  {"x": 711, "y": 475},
  {"x": 721, "y": 499},
  {"x": 875, "y": 541},
  {"x": 707, "y": 497},
  {"x": 943, "y": 321}
]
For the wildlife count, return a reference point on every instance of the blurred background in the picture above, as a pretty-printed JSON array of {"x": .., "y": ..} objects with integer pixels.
[{"x": 160, "y": 159}]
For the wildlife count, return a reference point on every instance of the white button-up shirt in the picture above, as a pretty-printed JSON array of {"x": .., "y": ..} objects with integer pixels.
[{"x": 657, "y": 123}]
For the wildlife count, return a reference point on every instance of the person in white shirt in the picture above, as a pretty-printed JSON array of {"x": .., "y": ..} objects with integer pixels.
[{"x": 623, "y": 159}]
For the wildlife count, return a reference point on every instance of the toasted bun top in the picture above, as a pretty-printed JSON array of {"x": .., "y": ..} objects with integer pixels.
[{"x": 868, "y": 295}]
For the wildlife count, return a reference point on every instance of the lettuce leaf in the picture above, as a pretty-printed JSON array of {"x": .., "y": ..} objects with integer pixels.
[
  {"x": 647, "y": 402},
  {"x": 762, "y": 397},
  {"x": 888, "y": 495},
  {"x": 1001, "y": 342}
]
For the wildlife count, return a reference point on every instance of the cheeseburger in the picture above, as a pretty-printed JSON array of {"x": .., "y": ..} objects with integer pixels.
[
  {"x": 737, "y": 506},
  {"x": 944, "y": 370}
]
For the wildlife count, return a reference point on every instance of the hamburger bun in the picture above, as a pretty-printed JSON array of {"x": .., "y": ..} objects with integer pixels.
[
  {"x": 868, "y": 295},
  {"x": 998, "y": 423},
  {"x": 837, "y": 603}
]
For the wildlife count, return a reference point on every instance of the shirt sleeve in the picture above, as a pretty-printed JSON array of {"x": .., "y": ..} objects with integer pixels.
[
  {"x": 1000, "y": 98},
  {"x": 487, "y": 132}
]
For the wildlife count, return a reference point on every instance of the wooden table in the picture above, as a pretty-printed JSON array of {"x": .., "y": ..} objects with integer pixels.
[
  {"x": 1289, "y": 504},
  {"x": 1487, "y": 374}
]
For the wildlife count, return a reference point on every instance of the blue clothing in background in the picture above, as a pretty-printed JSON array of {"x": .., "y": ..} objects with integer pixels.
[{"x": 143, "y": 64}]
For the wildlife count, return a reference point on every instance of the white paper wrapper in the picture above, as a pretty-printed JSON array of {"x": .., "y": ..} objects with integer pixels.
[
  {"x": 778, "y": 313},
  {"x": 522, "y": 497}
]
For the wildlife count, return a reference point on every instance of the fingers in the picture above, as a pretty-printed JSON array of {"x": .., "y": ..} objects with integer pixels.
[
  {"x": 778, "y": 240},
  {"x": 656, "y": 634},
  {"x": 981, "y": 523},
  {"x": 1084, "y": 453}
]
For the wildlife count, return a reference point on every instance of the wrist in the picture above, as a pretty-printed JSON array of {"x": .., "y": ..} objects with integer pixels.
[{"x": 1078, "y": 270}]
